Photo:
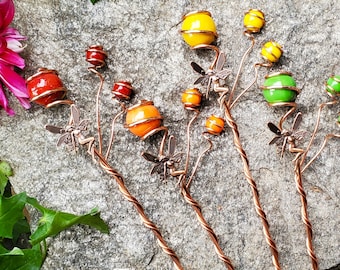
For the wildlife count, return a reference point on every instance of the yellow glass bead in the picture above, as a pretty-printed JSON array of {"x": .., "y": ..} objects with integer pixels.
[
  {"x": 191, "y": 98},
  {"x": 143, "y": 119},
  {"x": 214, "y": 125},
  {"x": 254, "y": 20},
  {"x": 271, "y": 51},
  {"x": 198, "y": 28}
]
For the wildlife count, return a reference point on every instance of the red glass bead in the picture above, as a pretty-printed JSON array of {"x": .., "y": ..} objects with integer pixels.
[
  {"x": 122, "y": 90},
  {"x": 45, "y": 88},
  {"x": 96, "y": 56}
]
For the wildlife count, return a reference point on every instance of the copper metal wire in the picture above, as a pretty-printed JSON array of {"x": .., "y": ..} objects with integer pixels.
[
  {"x": 315, "y": 130},
  {"x": 304, "y": 214},
  {"x": 197, "y": 208},
  {"x": 327, "y": 137},
  {"x": 100, "y": 87},
  {"x": 225, "y": 105},
  {"x": 256, "y": 198},
  {"x": 146, "y": 221},
  {"x": 185, "y": 191}
]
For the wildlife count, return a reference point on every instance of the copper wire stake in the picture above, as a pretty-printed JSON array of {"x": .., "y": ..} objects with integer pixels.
[
  {"x": 146, "y": 221},
  {"x": 197, "y": 208},
  {"x": 304, "y": 214},
  {"x": 73, "y": 136},
  {"x": 92, "y": 69},
  {"x": 237, "y": 141}
]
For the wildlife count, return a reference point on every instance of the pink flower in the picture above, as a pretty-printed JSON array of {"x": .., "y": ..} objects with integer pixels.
[{"x": 10, "y": 46}]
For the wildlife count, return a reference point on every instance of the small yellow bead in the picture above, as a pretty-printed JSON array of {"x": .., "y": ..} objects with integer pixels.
[
  {"x": 214, "y": 125},
  {"x": 198, "y": 28},
  {"x": 271, "y": 51},
  {"x": 254, "y": 20},
  {"x": 191, "y": 98}
]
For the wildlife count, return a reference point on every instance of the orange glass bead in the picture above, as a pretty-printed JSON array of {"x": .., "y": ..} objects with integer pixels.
[
  {"x": 191, "y": 98},
  {"x": 214, "y": 125},
  {"x": 143, "y": 119}
]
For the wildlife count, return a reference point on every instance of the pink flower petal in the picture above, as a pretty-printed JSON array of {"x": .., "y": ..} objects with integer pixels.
[
  {"x": 25, "y": 102},
  {"x": 11, "y": 32},
  {"x": 6, "y": 13},
  {"x": 15, "y": 83},
  {"x": 12, "y": 58},
  {"x": 14, "y": 45},
  {"x": 4, "y": 102}
]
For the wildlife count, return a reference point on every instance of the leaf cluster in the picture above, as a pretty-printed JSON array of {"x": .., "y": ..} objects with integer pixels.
[{"x": 21, "y": 248}]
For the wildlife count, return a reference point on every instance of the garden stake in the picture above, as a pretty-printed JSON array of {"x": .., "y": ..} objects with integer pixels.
[
  {"x": 280, "y": 90},
  {"x": 74, "y": 135},
  {"x": 214, "y": 81},
  {"x": 191, "y": 98}
]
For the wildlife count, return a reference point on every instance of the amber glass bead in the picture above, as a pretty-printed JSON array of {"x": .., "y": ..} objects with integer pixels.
[
  {"x": 122, "y": 90},
  {"x": 214, "y": 125},
  {"x": 191, "y": 98},
  {"x": 96, "y": 56},
  {"x": 45, "y": 87},
  {"x": 143, "y": 119},
  {"x": 198, "y": 28},
  {"x": 271, "y": 51},
  {"x": 253, "y": 20}
]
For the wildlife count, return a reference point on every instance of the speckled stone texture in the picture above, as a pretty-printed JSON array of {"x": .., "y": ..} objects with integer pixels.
[{"x": 145, "y": 47}]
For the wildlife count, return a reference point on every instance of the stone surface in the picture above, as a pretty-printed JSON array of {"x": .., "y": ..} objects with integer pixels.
[{"x": 144, "y": 46}]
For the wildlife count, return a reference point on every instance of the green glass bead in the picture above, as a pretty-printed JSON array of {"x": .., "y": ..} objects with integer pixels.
[
  {"x": 333, "y": 85},
  {"x": 279, "y": 87}
]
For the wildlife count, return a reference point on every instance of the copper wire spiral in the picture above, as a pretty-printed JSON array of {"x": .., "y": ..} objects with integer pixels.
[
  {"x": 146, "y": 221},
  {"x": 197, "y": 208},
  {"x": 237, "y": 141},
  {"x": 304, "y": 214},
  {"x": 184, "y": 185}
]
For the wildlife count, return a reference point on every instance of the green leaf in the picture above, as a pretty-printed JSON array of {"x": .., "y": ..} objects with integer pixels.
[
  {"x": 3, "y": 182},
  {"x": 15, "y": 251},
  {"x": 22, "y": 259},
  {"x": 53, "y": 222},
  {"x": 5, "y": 168},
  {"x": 94, "y": 1},
  {"x": 11, "y": 211}
]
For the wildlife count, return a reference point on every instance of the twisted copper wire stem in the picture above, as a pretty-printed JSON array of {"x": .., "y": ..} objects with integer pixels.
[
  {"x": 304, "y": 213},
  {"x": 237, "y": 141},
  {"x": 146, "y": 221},
  {"x": 197, "y": 208}
]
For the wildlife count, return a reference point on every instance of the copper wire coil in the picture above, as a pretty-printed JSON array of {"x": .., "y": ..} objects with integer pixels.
[
  {"x": 196, "y": 12},
  {"x": 199, "y": 32},
  {"x": 42, "y": 71}
]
